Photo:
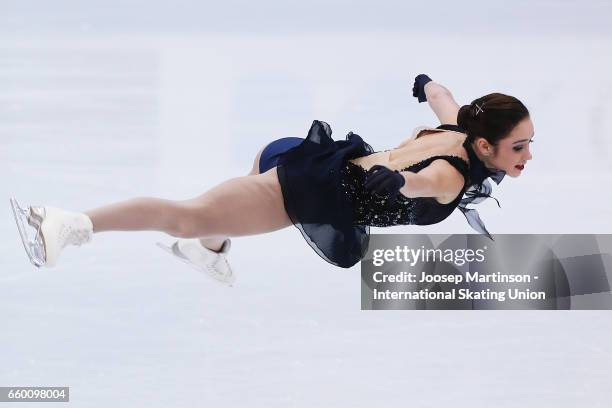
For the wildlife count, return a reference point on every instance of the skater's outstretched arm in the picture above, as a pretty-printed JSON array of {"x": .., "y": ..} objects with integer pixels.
[
  {"x": 440, "y": 180},
  {"x": 439, "y": 98}
]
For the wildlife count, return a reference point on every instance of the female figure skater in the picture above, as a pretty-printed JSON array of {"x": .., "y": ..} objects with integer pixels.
[{"x": 332, "y": 191}]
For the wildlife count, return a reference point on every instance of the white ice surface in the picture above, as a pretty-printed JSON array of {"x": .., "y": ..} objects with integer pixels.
[{"x": 99, "y": 117}]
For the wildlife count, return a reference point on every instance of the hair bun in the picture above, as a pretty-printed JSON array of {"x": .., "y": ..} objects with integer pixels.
[
  {"x": 503, "y": 113},
  {"x": 464, "y": 117}
]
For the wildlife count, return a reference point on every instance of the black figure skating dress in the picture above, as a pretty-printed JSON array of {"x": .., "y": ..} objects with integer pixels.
[{"x": 324, "y": 195}]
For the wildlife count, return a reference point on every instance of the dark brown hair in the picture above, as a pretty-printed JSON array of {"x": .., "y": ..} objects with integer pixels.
[{"x": 492, "y": 117}]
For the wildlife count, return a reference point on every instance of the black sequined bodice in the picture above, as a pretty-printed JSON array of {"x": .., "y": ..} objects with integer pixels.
[{"x": 373, "y": 209}]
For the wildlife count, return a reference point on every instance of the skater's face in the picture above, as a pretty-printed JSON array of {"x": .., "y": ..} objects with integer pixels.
[{"x": 511, "y": 153}]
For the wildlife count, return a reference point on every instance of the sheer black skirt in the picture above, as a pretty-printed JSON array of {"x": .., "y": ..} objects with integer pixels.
[{"x": 310, "y": 179}]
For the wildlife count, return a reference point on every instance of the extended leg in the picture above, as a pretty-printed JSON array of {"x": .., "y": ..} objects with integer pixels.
[{"x": 237, "y": 207}]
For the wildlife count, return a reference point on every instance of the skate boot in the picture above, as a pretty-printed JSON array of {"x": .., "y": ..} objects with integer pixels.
[
  {"x": 53, "y": 228},
  {"x": 213, "y": 264}
]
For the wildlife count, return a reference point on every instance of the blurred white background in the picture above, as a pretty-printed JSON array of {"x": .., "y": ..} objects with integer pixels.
[{"x": 103, "y": 101}]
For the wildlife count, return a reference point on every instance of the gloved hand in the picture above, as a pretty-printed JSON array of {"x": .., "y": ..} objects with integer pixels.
[
  {"x": 418, "y": 90},
  {"x": 380, "y": 179}
]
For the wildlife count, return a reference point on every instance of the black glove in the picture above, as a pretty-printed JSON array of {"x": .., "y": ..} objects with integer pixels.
[
  {"x": 381, "y": 179},
  {"x": 418, "y": 90}
]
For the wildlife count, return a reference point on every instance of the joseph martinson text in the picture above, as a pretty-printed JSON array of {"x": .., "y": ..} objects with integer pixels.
[{"x": 459, "y": 293}]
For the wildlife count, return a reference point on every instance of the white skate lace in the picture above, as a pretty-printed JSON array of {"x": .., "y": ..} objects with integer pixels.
[
  {"x": 69, "y": 235},
  {"x": 213, "y": 270}
]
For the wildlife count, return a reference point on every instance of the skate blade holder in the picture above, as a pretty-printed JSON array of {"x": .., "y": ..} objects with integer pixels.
[{"x": 27, "y": 219}]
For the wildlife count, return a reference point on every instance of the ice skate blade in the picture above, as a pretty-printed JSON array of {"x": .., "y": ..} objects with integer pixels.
[
  {"x": 196, "y": 267},
  {"x": 34, "y": 247}
]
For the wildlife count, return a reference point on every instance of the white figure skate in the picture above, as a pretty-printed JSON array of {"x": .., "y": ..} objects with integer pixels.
[
  {"x": 211, "y": 263},
  {"x": 54, "y": 229}
]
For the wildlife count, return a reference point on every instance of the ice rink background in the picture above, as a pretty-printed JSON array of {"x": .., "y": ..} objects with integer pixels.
[{"x": 105, "y": 101}]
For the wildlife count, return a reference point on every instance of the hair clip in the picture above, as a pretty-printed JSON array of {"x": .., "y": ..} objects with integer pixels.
[{"x": 478, "y": 109}]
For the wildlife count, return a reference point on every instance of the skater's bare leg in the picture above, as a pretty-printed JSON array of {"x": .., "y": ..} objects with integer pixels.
[
  {"x": 145, "y": 213},
  {"x": 136, "y": 214},
  {"x": 242, "y": 206},
  {"x": 237, "y": 207},
  {"x": 215, "y": 243}
]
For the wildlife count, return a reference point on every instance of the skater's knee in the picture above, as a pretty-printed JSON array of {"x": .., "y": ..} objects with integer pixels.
[
  {"x": 189, "y": 222},
  {"x": 182, "y": 231},
  {"x": 184, "y": 227}
]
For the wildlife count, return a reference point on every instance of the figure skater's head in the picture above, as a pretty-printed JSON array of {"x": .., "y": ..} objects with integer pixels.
[{"x": 500, "y": 130}]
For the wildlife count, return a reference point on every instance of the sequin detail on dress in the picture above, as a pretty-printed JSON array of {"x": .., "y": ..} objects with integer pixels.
[{"x": 373, "y": 209}]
